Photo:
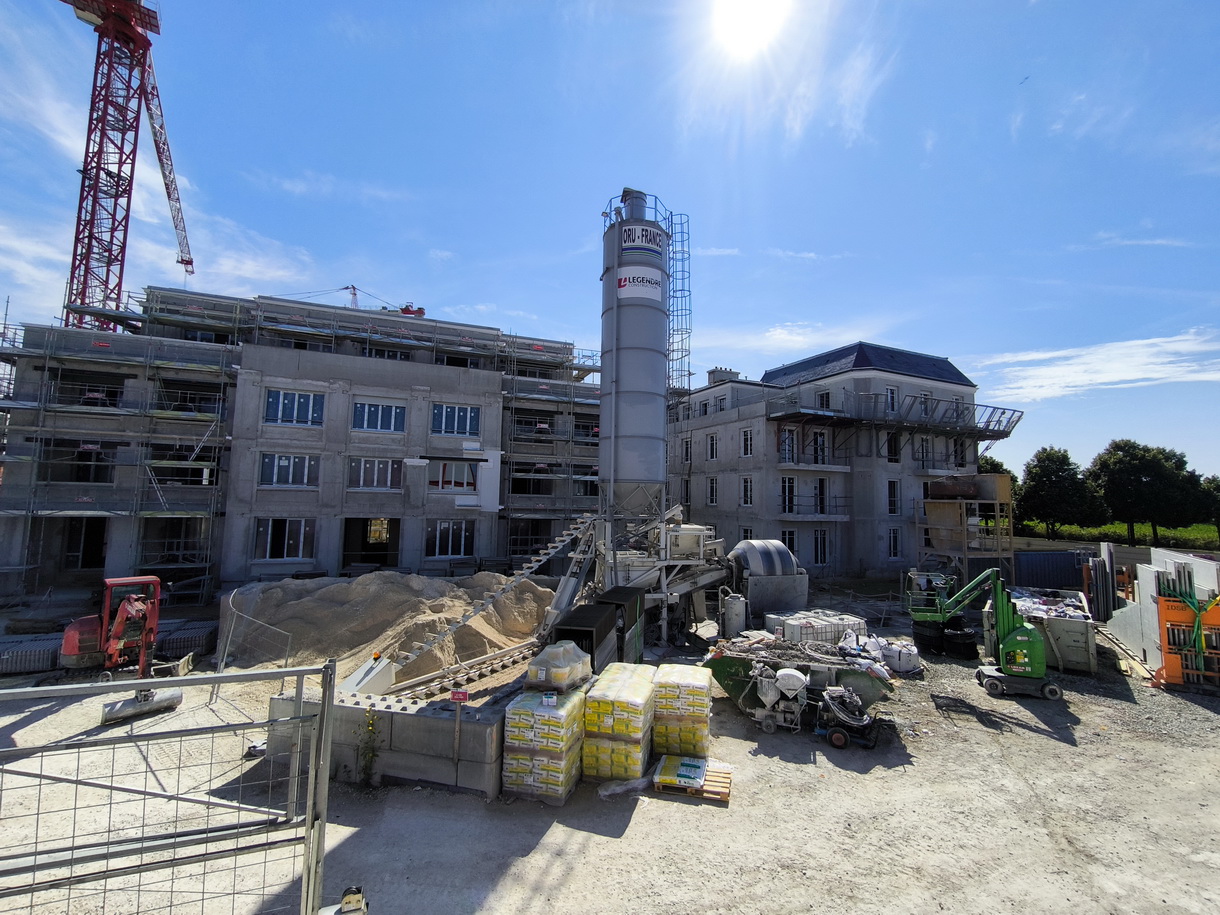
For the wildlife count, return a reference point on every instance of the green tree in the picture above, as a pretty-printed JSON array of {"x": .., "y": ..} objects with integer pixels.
[
  {"x": 1054, "y": 491},
  {"x": 1145, "y": 483},
  {"x": 1182, "y": 500},
  {"x": 1210, "y": 508}
]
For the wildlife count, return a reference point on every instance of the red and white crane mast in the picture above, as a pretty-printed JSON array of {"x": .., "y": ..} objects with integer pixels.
[{"x": 123, "y": 82}]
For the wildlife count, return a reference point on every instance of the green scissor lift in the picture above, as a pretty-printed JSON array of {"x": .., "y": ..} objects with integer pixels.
[{"x": 1021, "y": 658}]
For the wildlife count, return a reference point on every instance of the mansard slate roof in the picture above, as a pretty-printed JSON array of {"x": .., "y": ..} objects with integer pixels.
[{"x": 866, "y": 356}]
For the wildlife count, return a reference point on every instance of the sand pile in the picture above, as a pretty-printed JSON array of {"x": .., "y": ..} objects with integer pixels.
[{"x": 349, "y": 619}]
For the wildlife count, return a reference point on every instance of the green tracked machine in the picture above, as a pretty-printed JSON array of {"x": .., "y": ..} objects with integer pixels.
[{"x": 1021, "y": 657}]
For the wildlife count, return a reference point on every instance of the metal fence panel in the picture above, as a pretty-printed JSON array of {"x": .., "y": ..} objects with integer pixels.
[{"x": 179, "y": 813}]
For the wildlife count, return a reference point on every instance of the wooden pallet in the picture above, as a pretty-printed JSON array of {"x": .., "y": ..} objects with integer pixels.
[{"x": 717, "y": 785}]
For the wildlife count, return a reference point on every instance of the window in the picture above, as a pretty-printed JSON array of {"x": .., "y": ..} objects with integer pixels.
[
  {"x": 821, "y": 554},
  {"x": 747, "y": 490},
  {"x": 449, "y": 538},
  {"x": 820, "y": 488},
  {"x": 787, "y": 536},
  {"x": 722, "y": 403},
  {"x": 448, "y": 419},
  {"x": 895, "y": 543},
  {"x": 821, "y": 453},
  {"x": 713, "y": 446},
  {"x": 452, "y": 476},
  {"x": 923, "y": 452},
  {"x": 684, "y": 492},
  {"x": 684, "y": 410},
  {"x": 294, "y": 408},
  {"x": 713, "y": 490},
  {"x": 284, "y": 538},
  {"x": 73, "y": 461},
  {"x": 288, "y": 470},
  {"x": 787, "y": 495},
  {"x": 823, "y": 400},
  {"x": 747, "y": 533},
  {"x": 959, "y": 409},
  {"x": 893, "y": 497},
  {"x": 374, "y": 473},
  {"x": 893, "y": 448},
  {"x": 747, "y": 442},
  {"x": 703, "y": 407},
  {"x": 960, "y": 452},
  {"x": 686, "y": 451},
  {"x": 891, "y": 399},
  {"x": 925, "y": 403},
  {"x": 787, "y": 446},
  {"x": 378, "y": 530},
  {"x": 379, "y": 417}
]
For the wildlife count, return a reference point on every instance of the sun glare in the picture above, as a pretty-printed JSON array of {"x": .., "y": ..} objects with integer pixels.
[{"x": 745, "y": 28}]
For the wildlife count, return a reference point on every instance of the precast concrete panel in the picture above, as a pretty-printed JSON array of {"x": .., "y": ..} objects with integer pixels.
[{"x": 635, "y": 287}]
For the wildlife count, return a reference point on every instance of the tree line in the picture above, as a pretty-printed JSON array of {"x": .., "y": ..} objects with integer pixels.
[{"x": 1128, "y": 482}]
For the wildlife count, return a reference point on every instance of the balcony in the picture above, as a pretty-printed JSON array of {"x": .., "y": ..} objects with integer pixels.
[
  {"x": 823, "y": 463},
  {"x": 932, "y": 414},
  {"x": 814, "y": 508}
]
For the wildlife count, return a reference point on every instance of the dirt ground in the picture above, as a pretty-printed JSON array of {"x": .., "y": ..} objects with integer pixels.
[{"x": 1106, "y": 802}]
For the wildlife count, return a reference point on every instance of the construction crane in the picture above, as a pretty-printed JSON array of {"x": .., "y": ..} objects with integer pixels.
[{"x": 123, "y": 82}]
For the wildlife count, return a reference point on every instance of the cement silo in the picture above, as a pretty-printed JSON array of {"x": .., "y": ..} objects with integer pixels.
[{"x": 635, "y": 289}]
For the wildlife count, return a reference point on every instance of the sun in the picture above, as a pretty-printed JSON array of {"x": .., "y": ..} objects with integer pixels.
[{"x": 745, "y": 28}]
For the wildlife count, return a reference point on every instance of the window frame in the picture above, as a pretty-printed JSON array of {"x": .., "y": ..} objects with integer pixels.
[
  {"x": 360, "y": 468},
  {"x": 265, "y": 534},
  {"x": 747, "y": 443},
  {"x": 445, "y": 478},
  {"x": 390, "y": 417},
  {"x": 313, "y": 415},
  {"x": 309, "y": 464},
  {"x": 470, "y": 415},
  {"x": 713, "y": 490},
  {"x": 461, "y": 528}
]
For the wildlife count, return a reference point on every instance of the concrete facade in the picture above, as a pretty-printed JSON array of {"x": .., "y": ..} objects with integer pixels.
[
  {"x": 221, "y": 440},
  {"x": 833, "y": 457}
]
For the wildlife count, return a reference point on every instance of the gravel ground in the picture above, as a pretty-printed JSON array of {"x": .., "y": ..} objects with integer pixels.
[{"x": 1105, "y": 802}]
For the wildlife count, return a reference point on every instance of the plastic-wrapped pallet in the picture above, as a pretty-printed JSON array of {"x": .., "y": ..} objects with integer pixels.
[
  {"x": 618, "y": 722},
  {"x": 620, "y": 704},
  {"x": 682, "y": 721},
  {"x": 679, "y": 736},
  {"x": 682, "y": 689},
  {"x": 542, "y": 745},
  {"x": 605, "y": 757},
  {"x": 559, "y": 667}
]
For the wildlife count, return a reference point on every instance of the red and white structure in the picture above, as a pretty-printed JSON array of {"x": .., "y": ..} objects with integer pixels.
[{"x": 123, "y": 83}]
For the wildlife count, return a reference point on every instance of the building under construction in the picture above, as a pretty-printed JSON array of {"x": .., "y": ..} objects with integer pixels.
[{"x": 222, "y": 440}]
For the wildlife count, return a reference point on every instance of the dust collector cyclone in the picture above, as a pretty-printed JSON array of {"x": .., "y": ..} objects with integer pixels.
[{"x": 635, "y": 287}]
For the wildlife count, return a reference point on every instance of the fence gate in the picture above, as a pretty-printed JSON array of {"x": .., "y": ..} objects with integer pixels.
[{"x": 182, "y": 812}]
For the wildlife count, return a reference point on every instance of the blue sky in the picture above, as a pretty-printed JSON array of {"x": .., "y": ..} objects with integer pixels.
[{"x": 1028, "y": 188}]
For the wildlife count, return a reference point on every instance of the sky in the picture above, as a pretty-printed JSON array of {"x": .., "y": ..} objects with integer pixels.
[{"x": 1028, "y": 188}]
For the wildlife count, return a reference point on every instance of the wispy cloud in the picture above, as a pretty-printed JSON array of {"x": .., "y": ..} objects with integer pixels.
[
  {"x": 1036, "y": 375},
  {"x": 859, "y": 78},
  {"x": 440, "y": 256},
  {"x": 791, "y": 337},
  {"x": 1081, "y": 114},
  {"x": 1197, "y": 146},
  {"x": 1116, "y": 240},
  {"x": 321, "y": 185},
  {"x": 485, "y": 311},
  {"x": 717, "y": 252},
  {"x": 807, "y": 255}
]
